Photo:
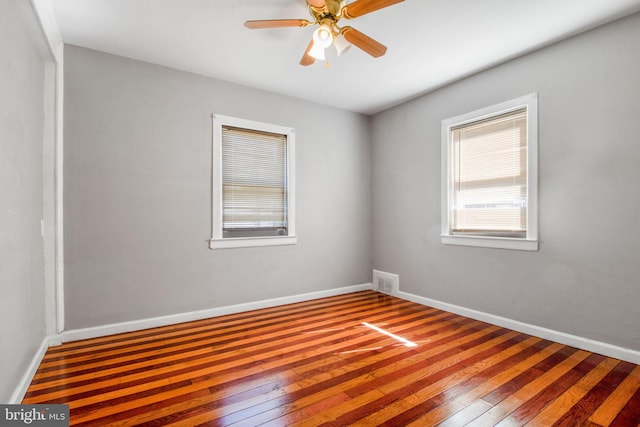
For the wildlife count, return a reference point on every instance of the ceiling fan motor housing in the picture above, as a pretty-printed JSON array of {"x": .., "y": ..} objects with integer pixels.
[{"x": 332, "y": 10}]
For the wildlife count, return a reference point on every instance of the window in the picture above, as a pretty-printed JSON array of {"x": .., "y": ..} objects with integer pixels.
[
  {"x": 253, "y": 191},
  {"x": 489, "y": 176}
]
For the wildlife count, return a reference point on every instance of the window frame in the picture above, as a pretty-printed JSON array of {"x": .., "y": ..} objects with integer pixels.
[
  {"x": 217, "y": 240},
  {"x": 530, "y": 241}
]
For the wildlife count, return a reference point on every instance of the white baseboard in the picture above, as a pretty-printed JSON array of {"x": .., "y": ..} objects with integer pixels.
[
  {"x": 593, "y": 346},
  {"x": 25, "y": 381},
  {"x": 136, "y": 325}
]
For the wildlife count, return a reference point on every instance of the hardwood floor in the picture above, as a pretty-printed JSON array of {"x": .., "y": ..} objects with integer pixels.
[{"x": 321, "y": 363}]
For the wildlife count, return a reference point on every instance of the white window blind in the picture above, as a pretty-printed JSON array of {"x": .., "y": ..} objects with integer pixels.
[
  {"x": 254, "y": 182},
  {"x": 490, "y": 176}
]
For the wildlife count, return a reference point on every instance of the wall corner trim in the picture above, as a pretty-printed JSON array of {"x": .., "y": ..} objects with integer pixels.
[
  {"x": 587, "y": 344},
  {"x": 54, "y": 340},
  {"x": 154, "y": 322}
]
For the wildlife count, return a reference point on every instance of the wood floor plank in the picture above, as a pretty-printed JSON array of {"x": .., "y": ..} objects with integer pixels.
[
  {"x": 328, "y": 379},
  {"x": 408, "y": 401},
  {"x": 534, "y": 405},
  {"x": 149, "y": 357},
  {"x": 399, "y": 398},
  {"x": 503, "y": 377},
  {"x": 318, "y": 363},
  {"x": 372, "y": 367},
  {"x": 613, "y": 404},
  {"x": 218, "y": 378},
  {"x": 212, "y": 335},
  {"x": 554, "y": 411},
  {"x": 435, "y": 416},
  {"x": 595, "y": 396},
  {"x": 630, "y": 414},
  {"x": 246, "y": 317},
  {"x": 455, "y": 380},
  {"x": 513, "y": 401},
  {"x": 465, "y": 415}
]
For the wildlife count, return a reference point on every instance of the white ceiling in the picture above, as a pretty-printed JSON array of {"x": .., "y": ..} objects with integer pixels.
[{"x": 430, "y": 42}]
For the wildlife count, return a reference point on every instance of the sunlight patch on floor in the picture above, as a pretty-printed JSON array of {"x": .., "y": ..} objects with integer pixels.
[{"x": 404, "y": 341}]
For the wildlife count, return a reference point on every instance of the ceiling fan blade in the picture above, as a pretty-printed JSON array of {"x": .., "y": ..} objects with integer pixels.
[
  {"x": 306, "y": 58},
  {"x": 318, "y": 4},
  {"x": 276, "y": 23},
  {"x": 362, "y": 7},
  {"x": 364, "y": 42}
]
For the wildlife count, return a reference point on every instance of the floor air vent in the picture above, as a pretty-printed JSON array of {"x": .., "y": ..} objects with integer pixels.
[{"x": 387, "y": 283}]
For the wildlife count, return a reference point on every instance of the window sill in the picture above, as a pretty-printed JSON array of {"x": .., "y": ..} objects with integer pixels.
[
  {"x": 490, "y": 242},
  {"x": 251, "y": 242}
]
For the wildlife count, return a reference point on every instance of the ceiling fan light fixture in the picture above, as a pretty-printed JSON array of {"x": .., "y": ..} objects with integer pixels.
[
  {"x": 323, "y": 36},
  {"x": 317, "y": 52},
  {"x": 341, "y": 44}
]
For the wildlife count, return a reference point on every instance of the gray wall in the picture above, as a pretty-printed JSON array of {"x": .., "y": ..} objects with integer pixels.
[
  {"x": 585, "y": 279},
  {"x": 21, "y": 249},
  {"x": 137, "y": 191}
]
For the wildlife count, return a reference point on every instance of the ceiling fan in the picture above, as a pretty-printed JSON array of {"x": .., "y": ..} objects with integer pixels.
[{"x": 326, "y": 14}]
